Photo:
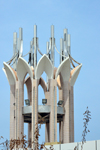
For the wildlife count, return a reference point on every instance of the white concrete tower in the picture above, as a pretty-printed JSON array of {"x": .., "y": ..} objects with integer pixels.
[{"x": 63, "y": 77}]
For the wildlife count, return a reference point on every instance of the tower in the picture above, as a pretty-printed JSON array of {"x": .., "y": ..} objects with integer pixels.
[{"x": 64, "y": 77}]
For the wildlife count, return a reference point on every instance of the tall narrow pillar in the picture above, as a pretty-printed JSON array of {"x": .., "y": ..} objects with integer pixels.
[
  {"x": 28, "y": 83},
  {"x": 60, "y": 131},
  {"x": 20, "y": 125},
  {"x": 29, "y": 132},
  {"x": 53, "y": 112},
  {"x": 12, "y": 112},
  {"x": 34, "y": 109},
  {"x": 72, "y": 113},
  {"x": 47, "y": 132},
  {"x": 16, "y": 110},
  {"x": 66, "y": 117}
]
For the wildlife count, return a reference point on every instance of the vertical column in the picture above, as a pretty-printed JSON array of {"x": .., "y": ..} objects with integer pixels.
[
  {"x": 72, "y": 113},
  {"x": 47, "y": 132},
  {"x": 16, "y": 109},
  {"x": 53, "y": 113},
  {"x": 20, "y": 123},
  {"x": 60, "y": 123},
  {"x": 34, "y": 108},
  {"x": 60, "y": 131},
  {"x": 12, "y": 112},
  {"x": 66, "y": 117},
  {"x": 28, "y": 83},
  {"x": 47, "y": 96},
  {"x": 33, "y": 113},
  {"x": 29, "y": 132},
  {"x": 60, "y": 95},
  {"x": 48, "y": 57}
]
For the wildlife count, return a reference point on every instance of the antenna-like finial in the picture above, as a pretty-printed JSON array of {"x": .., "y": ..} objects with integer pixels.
[
  {"x": 20, "y": 42},
  {"x": 52, "y": 44},
  {"x": 35, "y": 46},
  {"x": 14, "y": 49}
]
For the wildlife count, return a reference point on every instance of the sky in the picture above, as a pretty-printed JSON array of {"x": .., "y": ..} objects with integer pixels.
[{"x": 82, "y": 19}]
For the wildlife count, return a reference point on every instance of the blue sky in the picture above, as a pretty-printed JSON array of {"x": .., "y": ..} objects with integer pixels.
[{"x": 82, "y": 19}]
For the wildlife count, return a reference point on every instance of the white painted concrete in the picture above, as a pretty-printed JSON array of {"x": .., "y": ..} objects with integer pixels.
[
  {"x": 89, "y": 145},
  {"x": 23, "y": 68},
  {"x": 44, "y": 64},
  {"x": 75, "y": 75},
  {"x": 64, "y": 69},
  {"x": 9, "y": 74}
]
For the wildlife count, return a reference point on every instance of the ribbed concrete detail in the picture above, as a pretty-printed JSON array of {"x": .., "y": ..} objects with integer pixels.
[
  {"x": 53, "y": 113},
  {"x": 12, "y": 112},
  {"x": 16, "y": 109},
  {"x": 20, "y": 124},
  {"x": 34, "y": 107},
  {"x": 72, "y": 113},
  {"x": 66, "y": 117}
]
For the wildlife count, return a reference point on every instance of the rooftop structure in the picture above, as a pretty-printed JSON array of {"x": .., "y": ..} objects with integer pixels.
[{"x": 50, "y": 112}]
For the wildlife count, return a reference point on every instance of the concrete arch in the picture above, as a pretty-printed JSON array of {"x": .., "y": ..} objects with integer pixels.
[
  {"x": 9, "y": 74},
  {"x": 74, "y": 74},
  {"x": 29, "y": 89},
  {"x": 44, "y": 64},
  {"x": 64, "y": 70},
  {"x": 23, "y": 68},
  {"x": 42, "y": 83}
]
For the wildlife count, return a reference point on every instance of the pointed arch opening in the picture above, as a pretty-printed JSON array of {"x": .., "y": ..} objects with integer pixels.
[{"x": 44, "y": 64}]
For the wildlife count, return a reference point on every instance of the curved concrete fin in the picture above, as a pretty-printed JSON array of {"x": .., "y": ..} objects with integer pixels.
[
  {"x": 9, "y": 74},
  {"x": 23, "y": 68},
  {"x": 64, "y": 69},
  {"x": 44, "y": 64},
  {"x": 4, "y": 72},
  {"x": 74, "y": 75}
]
